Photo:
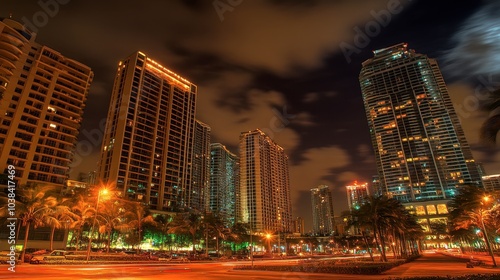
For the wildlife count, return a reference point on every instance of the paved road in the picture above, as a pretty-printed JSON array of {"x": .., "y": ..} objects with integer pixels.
[
  {"x": 430, "y": 264},
  {"x": 437, "y": 265}
]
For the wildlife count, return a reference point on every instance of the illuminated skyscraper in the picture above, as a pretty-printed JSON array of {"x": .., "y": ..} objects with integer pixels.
[
  {"x": 420, "y": 147},
  {"x": 148, "y": 143},
  {"x": 42, "y": 98},
  {"x": 264, "y": 183},
  {"x": 199, "y": 193},
  {"x": 224, "y": 183},
  {"x": 356, "y": 195},
  {"x": 322, "y": 210},
  {"x": 298, "y": 225},
  {"x": 492, "y": 183}
]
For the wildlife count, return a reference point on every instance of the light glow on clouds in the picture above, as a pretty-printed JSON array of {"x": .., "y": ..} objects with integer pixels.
[{"x": 476, "y": 50}]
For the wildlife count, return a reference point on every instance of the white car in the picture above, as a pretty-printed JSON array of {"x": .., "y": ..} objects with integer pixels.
[{"x": 52, "y": 256}]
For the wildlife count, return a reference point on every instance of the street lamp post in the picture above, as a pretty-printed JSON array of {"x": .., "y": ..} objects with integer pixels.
[
  {"x": 268, "y": 237},
  {"x": 104, "y": 191},
  {"x": 485, "y": 234},
  {"x": 279, "y": 243}
]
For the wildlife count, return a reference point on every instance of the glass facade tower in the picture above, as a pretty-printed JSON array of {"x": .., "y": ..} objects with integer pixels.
[
  {"x": 224, "y": 183},
  {"x": 420, "y": 147},
  {"x": 199, "y": 192},
  {"x": 322, "y": 209}
]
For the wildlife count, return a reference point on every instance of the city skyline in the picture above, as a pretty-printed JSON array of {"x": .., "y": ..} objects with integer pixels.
[{"x": 285, "y": 74}]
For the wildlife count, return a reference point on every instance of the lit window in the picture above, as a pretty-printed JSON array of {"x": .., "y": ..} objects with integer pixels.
[
  {"x": 442, "y": 209},
  {"x": 420, "y": 210},
  {"x": 431, "y": 210}
]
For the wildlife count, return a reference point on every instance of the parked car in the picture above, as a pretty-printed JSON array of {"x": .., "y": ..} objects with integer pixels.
[
  {"x": 175, "y": 257},
  {"x": 30, "y": 252},
  {"x": 240, "y": 257},
  {"x": 5, "y": 257},
  {"x": 52, "y": 256}
]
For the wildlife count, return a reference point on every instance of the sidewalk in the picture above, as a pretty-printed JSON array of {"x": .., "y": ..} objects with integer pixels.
[
  {"x": 435, "y": 264},
  {"x": 485, "y": 258},
  {"x": 439, "y": 265}
]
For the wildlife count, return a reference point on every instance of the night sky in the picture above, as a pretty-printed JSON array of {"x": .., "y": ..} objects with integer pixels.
[{"x": 289, "y": 67}]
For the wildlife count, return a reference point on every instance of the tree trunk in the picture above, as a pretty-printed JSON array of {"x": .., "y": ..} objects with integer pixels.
[
  {"x": 194, "y": 248},
  {"x": 382, "y": 244},
  {"x": 367, "y": 245},
  {"x": 25, "y": 245},
  {"x": 206, "y": 243},
  {"x": 18, "y": 229},
  {"x": 109, "y": 241},
  {"x": 52, "y": 237},
  {"x": 78, "y": 236},
  {"x": 140, "y": 238}
]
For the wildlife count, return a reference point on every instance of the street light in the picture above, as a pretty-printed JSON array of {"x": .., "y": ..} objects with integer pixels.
[
  {"x": 486, "y": 199},
  {"x": 103, "y": 192},
  {"x": 268, "y": 237}
]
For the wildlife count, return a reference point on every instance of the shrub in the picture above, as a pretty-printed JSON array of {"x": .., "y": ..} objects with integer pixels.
[{"x": 335, "y": 266}]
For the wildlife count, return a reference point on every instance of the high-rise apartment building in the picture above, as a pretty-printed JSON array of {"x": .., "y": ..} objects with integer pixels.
[
  {"x": 357, "y": 194},
  {"x": 198, "y": 196},
  {"x": 264, "y": 183},
  {"x": 375, "y": 186},
  {"x": 224, "y": 183},
  {"x": 420, "y": 147},
  {"x": 322, "y": 210},
  {"x": 42, "y": 97},
  {"x": 491, "y": 183},
  {"x": 298, "y": 225},
  {"x": 148, "y": 143}
]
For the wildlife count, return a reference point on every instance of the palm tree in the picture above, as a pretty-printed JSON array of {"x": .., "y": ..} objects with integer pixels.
[
  {"x": 187, "y": 223},
  {"x": 386, "y": 218},
  {"x": 135, "y": 217},
  {"x": 406, "y": 232},
  {"x": 111, "y": 216},
  {"x": 362, "y": 224},
  {"x": 214, "y": 225},
  {"x": 465, "y": 237},
  {"x": 470, "y": 212},
  {"x": 161, "y": 227},
  {"x": 58, "y": 217},
  {"x": 82, "y": 212},
  {"x": 33, "y": 204},
  {"x": 239, "y": 234}
]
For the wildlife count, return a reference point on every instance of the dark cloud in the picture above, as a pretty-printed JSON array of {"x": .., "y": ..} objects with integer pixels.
[{"x": 476, "y": 45}]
